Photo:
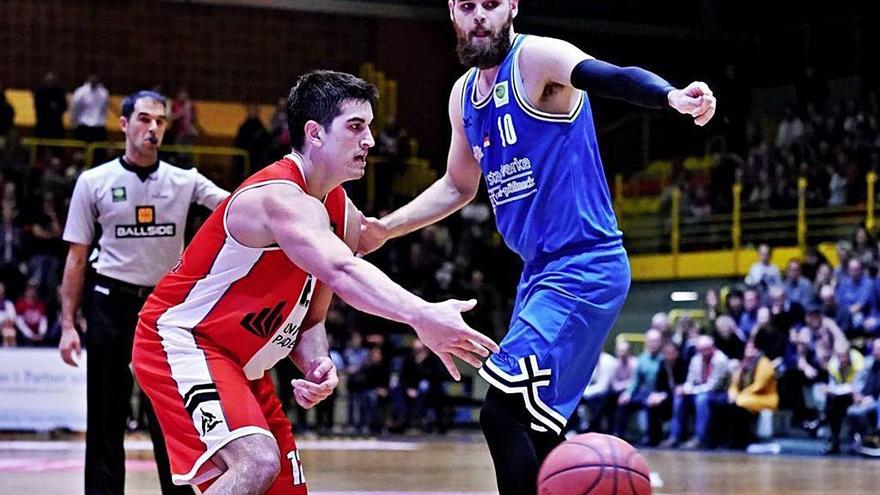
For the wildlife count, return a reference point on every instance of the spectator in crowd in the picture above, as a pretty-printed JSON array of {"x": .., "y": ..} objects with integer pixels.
[
  {"x": 752, "y": 390},
  {"x": 184, "y": 124},
  {"x": 712, "y": 304},
  {"x": 704, "y": 389},
  {"x": 14, "y": 158},
  {"x": 751, "y": 302},
  {"x": 642, "y": 384},
  {"x": 763, "y": 273},
  {"x": 864, "y": 414},
  {"x": 31, "y": 319},
  {"x": 377, "y": 380},
  {"x": 45, "y": 247},
  {"x": 421, "y": 399},
  {"x": 824, "y": 276},
  {"x": 7, "y": 318},
  {"x": 729, "y": 339},
  {"x": 828, "y": 301},
  {"x": 843, "y": 368},
  {"x": 279, "y": 130},
  {"x": 670, "y": 379},
  {"x": 791, "y": 129},
  {"x": 7, "y": 113},
  {"x": 854, "y": 295},
  {"x": 798, "y": 288},
  {"x": 660, "y": 322},
  {"x": 255, "y": 139},
  {"x": 812, "y": 259},
  {"x": 50, "y": 103},
  {"x": 770, "y": 335},
  {"x": 786, "y": 314},
  {"x": 325, "y": 411},
  {"x": 356, "y": 358},
  {"x": 844, "y": 252},
  {"x": 88, "y": 110},
  {"x": 10, "y": 238},
  {"x": 734, "y": 304},
  {"x": 595, "y": 412},
  {"x": 864, "y": 247}
]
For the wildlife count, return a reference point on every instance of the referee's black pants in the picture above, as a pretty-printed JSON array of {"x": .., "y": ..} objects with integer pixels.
[{"x": 112, "y": 320}]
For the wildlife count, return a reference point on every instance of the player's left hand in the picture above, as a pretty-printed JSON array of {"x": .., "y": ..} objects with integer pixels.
[
  {"x": 318, "y": 384},
  {"x": 373, "y": 235},
  {"x": 695, "y": 100}
]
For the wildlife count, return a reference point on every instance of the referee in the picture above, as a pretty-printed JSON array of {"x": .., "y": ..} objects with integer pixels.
[{"x": 141, "y": 204}]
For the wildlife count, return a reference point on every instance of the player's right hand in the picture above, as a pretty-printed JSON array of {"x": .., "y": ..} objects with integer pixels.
[
  {"x": 442, "y": 329},
  {"x": 69, "y": 345},
  {"x": 373, "y": 235}
]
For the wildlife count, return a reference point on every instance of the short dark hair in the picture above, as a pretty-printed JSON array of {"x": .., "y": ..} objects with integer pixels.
[
  {"x": 130, "y": 100},
  {"x": 318, "y": 96}
]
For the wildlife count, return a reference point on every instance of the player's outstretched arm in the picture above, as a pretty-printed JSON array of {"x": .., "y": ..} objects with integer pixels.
[
  {"x": 563, "y": 63},
  {"x": 298, "y": 223},
  {"x": 456, "y": 188}
]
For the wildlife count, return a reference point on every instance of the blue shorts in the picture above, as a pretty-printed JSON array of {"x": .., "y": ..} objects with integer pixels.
[{"x": 565, "y": 309}]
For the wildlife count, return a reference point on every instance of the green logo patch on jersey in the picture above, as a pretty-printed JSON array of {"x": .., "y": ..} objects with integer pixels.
[{"x": 118, "y": 194}]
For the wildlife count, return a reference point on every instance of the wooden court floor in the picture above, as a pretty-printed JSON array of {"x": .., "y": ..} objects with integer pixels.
[{"x": 452, "y": 467}]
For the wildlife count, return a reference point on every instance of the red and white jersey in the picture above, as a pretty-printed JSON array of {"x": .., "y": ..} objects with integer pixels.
[{"x": 246, "y": 303}]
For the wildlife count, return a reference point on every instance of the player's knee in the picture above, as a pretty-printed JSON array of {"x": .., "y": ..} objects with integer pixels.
[{"x": 264, "y": 466}]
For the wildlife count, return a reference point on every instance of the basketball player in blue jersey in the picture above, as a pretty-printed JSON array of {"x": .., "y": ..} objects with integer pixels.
[{"x": 521, "y": 119}]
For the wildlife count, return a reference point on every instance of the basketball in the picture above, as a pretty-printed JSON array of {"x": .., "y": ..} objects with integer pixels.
[{"x": 594, "y": 464}]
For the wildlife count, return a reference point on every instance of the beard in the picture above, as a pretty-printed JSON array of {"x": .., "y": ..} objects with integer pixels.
[{"x": 484, "y": 57}]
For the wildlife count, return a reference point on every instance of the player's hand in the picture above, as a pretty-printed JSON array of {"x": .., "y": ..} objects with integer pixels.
[
  {"x": 69, "y": 346},
  {"x": 374, "y": 234},
  {"x": 318, "y": 383},
  {"x": 442, "y": 329},
  {"x": 695, "y": 100}
]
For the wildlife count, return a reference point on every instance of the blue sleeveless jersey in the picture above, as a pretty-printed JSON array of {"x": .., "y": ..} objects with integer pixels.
[{"x": 543, "y": 172}]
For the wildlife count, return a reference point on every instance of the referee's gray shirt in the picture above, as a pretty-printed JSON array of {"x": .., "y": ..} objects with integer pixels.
[{"x": 142, "y": 221}]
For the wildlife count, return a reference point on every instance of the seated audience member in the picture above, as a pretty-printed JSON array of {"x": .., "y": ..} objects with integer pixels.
[
  {"x": 733, "y": 304},
  {"x": 844, "y": 254},
  {"x": 828, "y": 302},
  {"x": 752, "y": 390},
  {"x": 864, "y": 414},
  {"x": 660, "y": 322},
  {"x": 712, "y": 304},
  {"x": 596, "y": 409},
  {"x": 824, "y": 276},
  {"x": 763, "y": 273},
  {"x": 798, "y": 288},
  {"x": 704, "y": 390},
  {"x": 812, "y": 260},
  {"x": 728, "y": 337},
  {"x": 31, "y": 321},
  {"x": 843, "y": 368},
  {"x": 670, "y": 379},
  {"x": 749, "y": 317},
  {"x": 769, "y": 337},
  {"x": 642, "y": 384},
  {"x": 811, "y": 374},
  {"x": 854, "y": 294},
  {"x": 786, "y": 314}
]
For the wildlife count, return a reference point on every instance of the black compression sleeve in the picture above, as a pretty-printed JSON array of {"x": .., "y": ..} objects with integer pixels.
[{"x": 631, "y": 84}]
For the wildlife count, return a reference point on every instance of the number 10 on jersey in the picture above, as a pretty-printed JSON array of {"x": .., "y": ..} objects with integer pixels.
[{"x": 506, "y": 129}]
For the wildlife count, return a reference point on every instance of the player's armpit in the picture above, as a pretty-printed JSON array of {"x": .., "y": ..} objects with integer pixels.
[{"x": 549, "y": 60}]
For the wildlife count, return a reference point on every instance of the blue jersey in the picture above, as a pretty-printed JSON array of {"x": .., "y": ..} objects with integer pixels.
[{"x": 543, "y": 171}]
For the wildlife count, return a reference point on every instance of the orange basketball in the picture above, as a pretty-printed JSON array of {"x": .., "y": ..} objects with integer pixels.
[{"x": 594, "y": 464}]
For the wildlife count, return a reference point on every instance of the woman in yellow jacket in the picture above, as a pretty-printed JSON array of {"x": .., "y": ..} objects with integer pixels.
[{"x": 752, "y": 390}]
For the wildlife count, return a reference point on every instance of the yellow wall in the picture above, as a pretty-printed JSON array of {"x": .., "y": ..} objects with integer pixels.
[
  {"x": 711, "y": 264},
  {"x": 217, "y": 118}
]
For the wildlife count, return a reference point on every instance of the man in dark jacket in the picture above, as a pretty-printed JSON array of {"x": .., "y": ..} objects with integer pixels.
[
  {"x": 672, "y": 374},
  {"x": 864, "y": 414}
]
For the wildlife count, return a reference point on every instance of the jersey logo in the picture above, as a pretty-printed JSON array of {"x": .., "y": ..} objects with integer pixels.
[
  {"x": 146, "y": 226},
  {"x": 209, "y": 422},
  {"x": 118, "y": 194},
  {"x": 263, "y": 322},
  {"x": 501, "y": 95}
]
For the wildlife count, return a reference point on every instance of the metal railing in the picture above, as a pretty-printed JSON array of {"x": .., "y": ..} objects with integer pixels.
[
  {"x": 195, "y": 154},
  {"x": 673, "y": 233}
]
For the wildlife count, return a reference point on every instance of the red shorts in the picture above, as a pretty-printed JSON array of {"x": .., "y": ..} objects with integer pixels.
[{"x": 203, "y": 401}]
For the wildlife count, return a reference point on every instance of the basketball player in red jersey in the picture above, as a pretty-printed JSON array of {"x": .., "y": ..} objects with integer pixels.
[{"x": 253, "y": 287}]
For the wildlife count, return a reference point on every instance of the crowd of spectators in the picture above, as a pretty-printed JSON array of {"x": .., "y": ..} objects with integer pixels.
[
  {"x": 805, "y": 341},
  {"x": 831, "y": 143}
]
